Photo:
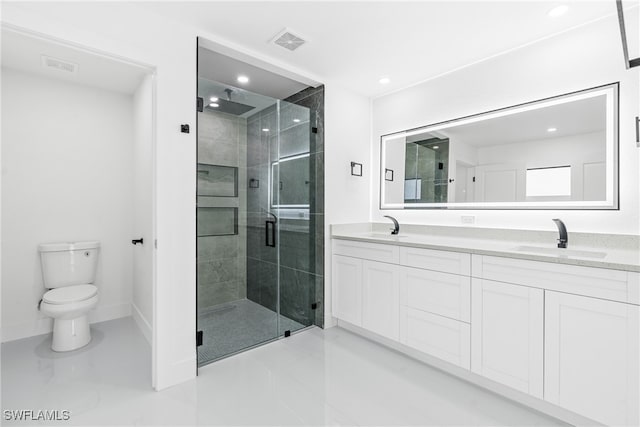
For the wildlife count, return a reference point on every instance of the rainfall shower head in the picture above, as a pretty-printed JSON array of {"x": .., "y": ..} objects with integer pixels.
[{"x": 230, "y": 107}]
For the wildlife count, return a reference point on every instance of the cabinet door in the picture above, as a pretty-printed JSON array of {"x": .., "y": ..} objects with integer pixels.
[
  {"x": 381, "y": 298},
  {"x": 347, "y": 289},
  {"x": 591, "y": 357},
  {"x": 507, "y": 334}
]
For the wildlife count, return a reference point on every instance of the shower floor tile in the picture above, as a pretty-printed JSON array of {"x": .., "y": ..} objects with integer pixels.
[{"x": 231, "y": 327}]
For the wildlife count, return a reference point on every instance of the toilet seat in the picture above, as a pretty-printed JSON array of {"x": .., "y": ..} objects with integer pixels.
[{"x": 70, "y": 294}]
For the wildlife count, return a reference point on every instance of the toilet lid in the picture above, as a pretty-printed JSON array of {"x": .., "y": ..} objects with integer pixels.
[{"x": 68, "y": 294}]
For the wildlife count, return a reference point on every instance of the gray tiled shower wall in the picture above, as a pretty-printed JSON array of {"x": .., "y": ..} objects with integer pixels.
[
  {"x": 222, "y": 141},
  {"x": 301, "y": 240}
]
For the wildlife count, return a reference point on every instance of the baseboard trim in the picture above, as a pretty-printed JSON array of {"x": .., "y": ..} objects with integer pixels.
[
  {"x": 44, "y": 325},
  {"x": 494, "y": 387},
  {"x": 178, "y": 372},
  {"x": 141, "y": 321}
]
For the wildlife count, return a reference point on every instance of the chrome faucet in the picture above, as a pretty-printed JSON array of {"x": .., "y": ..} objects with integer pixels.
[
  {"x": 396, "y": 226},
  {"x": 564, "y": 237}
]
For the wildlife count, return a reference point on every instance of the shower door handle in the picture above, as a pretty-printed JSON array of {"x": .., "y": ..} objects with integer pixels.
[{"x": 270, "y": 233}]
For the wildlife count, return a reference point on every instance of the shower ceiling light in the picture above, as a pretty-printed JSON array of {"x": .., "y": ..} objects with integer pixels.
[
  {"x": 214, "y": 105},
  {"x": 552, "y": 129},
  {"x": 384, "y": 80},
  {"x": 296, "y": 120},
  {"x": 243, "y": 79},
  {"x": 265, "y": 130},
  {"x": 213, "y": 99}
]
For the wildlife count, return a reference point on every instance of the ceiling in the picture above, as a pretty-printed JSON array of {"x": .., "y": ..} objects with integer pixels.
[
  {"x": 220, "y": 68},
  {"x": 24, "y": 53},
  {"x": 355, "y": 43}
]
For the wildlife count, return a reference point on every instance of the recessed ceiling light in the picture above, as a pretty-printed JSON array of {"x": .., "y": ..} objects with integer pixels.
[
  {"x": 558, "y": 11},
  {"x": 296, "y": 120},
  {"x": 213, "y": 99},
  {"x": 265, "y": 130},
  {"x": 435, "y": 147},
  {"x": 214, "y": 105},
  {"x": 552, "y": 129},
  {"x": 243, "y": 79},
  {"x": 384, "y": 80}
]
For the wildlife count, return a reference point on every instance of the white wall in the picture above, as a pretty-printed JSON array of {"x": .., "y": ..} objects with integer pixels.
[
  {"x": 347, "y": 197},
  {"x": 67, "y": 172},
  {"x": 582, "y": 58}
]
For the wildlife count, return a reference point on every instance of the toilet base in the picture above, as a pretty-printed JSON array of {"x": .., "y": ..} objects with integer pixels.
[{"x": 70, "y": 334}]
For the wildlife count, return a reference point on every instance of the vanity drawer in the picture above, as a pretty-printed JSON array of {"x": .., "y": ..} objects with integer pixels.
[
  {"x": 602, "y": 283},
  {"x": 438, "y": 336},
  {"x": 445, "y": 294},
  {"x": 446, "y": 262},
  {"x": 364, "y": 250}
]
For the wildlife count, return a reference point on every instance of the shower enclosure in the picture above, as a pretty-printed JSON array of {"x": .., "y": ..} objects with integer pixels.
[{"x": 260, "y": 257}]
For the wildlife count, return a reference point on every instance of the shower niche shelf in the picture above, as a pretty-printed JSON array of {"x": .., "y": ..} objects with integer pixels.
[
  {"x": 217, "y": 221},
  {"x": 217, "y": 180}
]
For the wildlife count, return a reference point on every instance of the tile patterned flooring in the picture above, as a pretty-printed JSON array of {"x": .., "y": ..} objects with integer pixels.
[
  {"x": 317, "y": 377},
  {"x": 234, "y": 326}
]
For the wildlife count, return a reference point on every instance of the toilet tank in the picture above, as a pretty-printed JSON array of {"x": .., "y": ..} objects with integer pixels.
[{"x": 67, "y": 264}]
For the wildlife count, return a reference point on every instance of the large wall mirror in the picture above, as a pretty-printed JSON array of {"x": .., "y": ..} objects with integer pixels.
[{"x": 556, "y": 153}]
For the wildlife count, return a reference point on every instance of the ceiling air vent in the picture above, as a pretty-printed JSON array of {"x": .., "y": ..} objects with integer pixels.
[
  {"x": 288, "y": 40},
  {"x": 59, "y": 64}
]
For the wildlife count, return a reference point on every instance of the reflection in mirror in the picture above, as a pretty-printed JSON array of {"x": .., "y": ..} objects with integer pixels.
[
  {"x": 557, "y": 153},
  {"x": 426, "y": 169},
  {"x": 290, "y": 183}
]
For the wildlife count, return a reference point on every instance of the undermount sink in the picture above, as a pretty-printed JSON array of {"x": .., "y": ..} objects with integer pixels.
[
  {"x": 561, "y": 252},
  {"x": 384, "y": 235}
]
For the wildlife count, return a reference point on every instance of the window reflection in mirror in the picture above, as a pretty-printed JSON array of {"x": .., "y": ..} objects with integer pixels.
[{"x": 559, "y": 152}]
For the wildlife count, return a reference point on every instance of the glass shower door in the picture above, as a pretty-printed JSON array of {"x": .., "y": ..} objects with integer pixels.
[
  {"x": 237, "y": 265},
  {"x": 293, "y": 197}
]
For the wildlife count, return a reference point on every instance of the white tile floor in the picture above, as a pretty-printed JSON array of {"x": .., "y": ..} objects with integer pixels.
[{"x": 317, "y": 377}]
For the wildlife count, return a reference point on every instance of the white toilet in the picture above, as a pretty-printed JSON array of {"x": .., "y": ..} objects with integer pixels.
[{"x": 68, "y": 270}]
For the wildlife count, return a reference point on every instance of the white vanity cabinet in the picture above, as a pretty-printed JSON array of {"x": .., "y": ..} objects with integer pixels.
[
  {"x": 592, "y": 357},
  {"x": 380, "y": 298},
  {"x": 435, "y": 303},
  {"x": 507, "y": 334},
  {"x": 366, "y": 290},
  {"x": 347, "y": 297},
  {"x": 565, "y": 334},
  {"x": 381, "y": 289}
]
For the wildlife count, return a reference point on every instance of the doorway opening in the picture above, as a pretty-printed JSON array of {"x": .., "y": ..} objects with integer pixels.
[{"x": 260, "y": 206}]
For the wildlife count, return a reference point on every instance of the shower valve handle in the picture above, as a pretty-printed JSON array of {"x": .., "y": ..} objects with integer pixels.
[{"x": 136, "y": 241}]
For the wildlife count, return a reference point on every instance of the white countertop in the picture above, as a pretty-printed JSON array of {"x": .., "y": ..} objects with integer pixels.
[{"x": 590, "y": 250}]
